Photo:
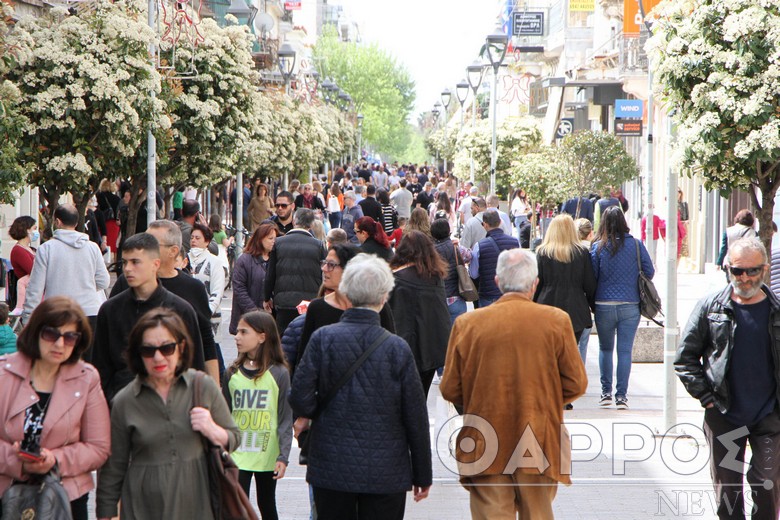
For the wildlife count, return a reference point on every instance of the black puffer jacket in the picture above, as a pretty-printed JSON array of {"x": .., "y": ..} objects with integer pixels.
[
  {"x": 372, "y": 437},
  {"x": 294, "y": 269},
  {"x": 702, "y": 360}
]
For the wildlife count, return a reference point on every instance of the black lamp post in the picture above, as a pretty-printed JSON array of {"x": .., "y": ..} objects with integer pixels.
[
  {"x": 286, "y": 60},
  {"x": 495, "y": 46}
]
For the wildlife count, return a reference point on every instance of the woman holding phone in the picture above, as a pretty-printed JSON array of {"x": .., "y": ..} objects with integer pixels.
[{"x": 52, "y": 407}]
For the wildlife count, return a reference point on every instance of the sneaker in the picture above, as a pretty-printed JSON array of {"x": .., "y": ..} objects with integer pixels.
[
  {"x": 606, "y": 400},
  {"x": 621, "y": 403}
]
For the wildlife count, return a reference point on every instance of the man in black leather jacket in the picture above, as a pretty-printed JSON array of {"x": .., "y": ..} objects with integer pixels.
[{"x": 729, "y": 359}]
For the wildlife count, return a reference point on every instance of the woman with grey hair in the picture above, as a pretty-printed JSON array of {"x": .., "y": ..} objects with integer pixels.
[{"x": 360, "y": 384}]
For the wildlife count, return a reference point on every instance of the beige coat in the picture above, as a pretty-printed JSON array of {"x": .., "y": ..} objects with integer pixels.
[
  {"x": 258, "y": 211},
  {"x": 513, "y": 365}
]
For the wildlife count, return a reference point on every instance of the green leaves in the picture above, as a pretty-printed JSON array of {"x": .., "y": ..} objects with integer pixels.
[{"x": 594, "y": 161}]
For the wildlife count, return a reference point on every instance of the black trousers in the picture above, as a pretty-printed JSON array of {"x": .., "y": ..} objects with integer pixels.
[
  {"x": 340, "y": 505},
  {"x": 78, "y": 508},
  {"x": 265, "y": 487},
  {"x": 726, "y": 469},
  {"x": 427, "y": 378},
  {"x": 284, "y": 317}
]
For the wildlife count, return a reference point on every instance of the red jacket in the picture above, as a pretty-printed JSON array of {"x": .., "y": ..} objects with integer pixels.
[{"x": 76, "y": 429}]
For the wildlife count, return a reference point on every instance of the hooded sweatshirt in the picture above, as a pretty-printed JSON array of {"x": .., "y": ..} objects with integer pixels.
[{"x": 67, "y": 265}]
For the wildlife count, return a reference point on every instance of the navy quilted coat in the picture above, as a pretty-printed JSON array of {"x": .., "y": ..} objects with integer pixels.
[
  {"x": 291, "y": 338},
  {"x": 373, "y": 436},
  {"x": 617, "y": 277}
]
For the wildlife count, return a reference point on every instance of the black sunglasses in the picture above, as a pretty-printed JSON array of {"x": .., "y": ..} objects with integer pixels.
[
  {"x": 281, "y": 205},
  {"x": 148, "y": 351},
  {"x": 53, "y": 335},
  {"x": 750, "y": 271}
]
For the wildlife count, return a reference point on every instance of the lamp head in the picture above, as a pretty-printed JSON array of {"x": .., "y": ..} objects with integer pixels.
[
  {"x": 446, "y": 96},
  {"x": 474, "y": 73},
  {"x": 495, "y": 46},
  {"x": 286, "y": 60},
  {"x": 462, "y": 91}
]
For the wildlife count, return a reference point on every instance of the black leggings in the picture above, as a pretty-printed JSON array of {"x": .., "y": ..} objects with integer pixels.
[
  {"x": 78, "y": 508},
  {"x": 265, "y": 486}
]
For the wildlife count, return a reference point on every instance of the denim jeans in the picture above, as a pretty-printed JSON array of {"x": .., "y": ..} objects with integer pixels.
[
  {"x": 622, "y": 321},
  {"x": 456, "y": 308},
  {"x": 334, "y": 217},
  {"x": 519, "y": 222},
  {"x": 583, "y": 344},
  {"x": 484, "y": 302}
]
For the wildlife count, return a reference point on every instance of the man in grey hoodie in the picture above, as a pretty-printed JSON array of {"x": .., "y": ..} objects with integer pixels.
[{"x": 68, "y": 265}]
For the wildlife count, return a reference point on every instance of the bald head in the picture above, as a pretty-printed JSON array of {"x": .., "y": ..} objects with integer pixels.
[{"x": 66, "y": 216}]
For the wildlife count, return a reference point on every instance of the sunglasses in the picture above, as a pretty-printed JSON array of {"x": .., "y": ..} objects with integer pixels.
[
  {"x": 53, "y": 335},
  {"x": 282, "y": 205},
  {"x": 750, "y": 271},
  {"x": 148, "y": 351},
  {"x": 329, "y": 266}
]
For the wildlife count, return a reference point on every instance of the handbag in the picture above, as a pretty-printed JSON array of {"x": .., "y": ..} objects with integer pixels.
[
  {"x": 228, "y": 500},
  {"x": 466, "y": 287},
  {"x": 42, "y": 497},
  {"x": 649, "y": 301},
  {"x": 304, "y": 438}
]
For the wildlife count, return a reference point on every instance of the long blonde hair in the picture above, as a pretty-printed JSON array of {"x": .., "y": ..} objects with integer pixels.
[{"x": 560, "y": 240}]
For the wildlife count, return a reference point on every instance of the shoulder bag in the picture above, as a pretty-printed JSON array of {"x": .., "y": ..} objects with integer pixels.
[
  {"x": 649, "y": 301},
  {"x": 228, "y": 500},
  {"x": 42, "y": 497},
  {"x": 466, "y": 287},
  {"x": 304, "y": 438}
]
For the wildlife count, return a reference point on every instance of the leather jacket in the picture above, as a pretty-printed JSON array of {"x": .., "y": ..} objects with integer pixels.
[{"x": 702, "y": 359}]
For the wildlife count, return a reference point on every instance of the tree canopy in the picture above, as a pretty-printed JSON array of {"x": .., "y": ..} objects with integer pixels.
[
  {"x": 716, "y": 67},
  {"x": 380, "y": 87}
]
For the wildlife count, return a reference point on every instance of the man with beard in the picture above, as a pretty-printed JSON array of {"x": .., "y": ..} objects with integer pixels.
[
  {"x": 283, "y": 219},
  {"x": 729, "y": 359}
]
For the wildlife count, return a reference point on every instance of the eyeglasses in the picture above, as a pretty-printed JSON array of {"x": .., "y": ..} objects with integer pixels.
[
  {"x": 53, "y": 335},
  {"x": 148, "y": 351},
  {"x": 329, "y": 266},
  {"x": 750, "y": 271},
  {"x": 282, "y": 205}
]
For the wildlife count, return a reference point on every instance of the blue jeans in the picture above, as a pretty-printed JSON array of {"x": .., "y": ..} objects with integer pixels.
[
  {"x": 484, "y": 302},
  {"x": 584, "y": 343},
  {"x": 519, "y": 221},
  {"x": 611, "y": 320},
  {"x": 456, "y": 308},
  {"x": 334, "y": 217}
]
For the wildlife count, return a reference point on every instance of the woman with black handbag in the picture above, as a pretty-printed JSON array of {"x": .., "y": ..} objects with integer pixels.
[
  {"x": 54, "y": 415},
  {"x": 158, "y": 464}
]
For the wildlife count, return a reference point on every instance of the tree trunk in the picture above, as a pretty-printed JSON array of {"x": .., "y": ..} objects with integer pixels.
[
  {"x": 135, "y": 204},
  {"x": 579, "y": 205},
  {"x": 80, "y": 200},
  {"x": 168, "y": 201},
  {"x": 52, "y": 199},
  {"x": 764, "y": 210}
]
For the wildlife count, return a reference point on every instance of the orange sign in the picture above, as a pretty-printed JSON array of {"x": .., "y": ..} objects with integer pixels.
[{"x": 632, "y": 19}]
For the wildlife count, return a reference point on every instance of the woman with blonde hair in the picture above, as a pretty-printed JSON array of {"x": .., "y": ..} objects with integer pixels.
[
  {"x": 566, "y": 278},
  {"x": 419, "y": 221}
]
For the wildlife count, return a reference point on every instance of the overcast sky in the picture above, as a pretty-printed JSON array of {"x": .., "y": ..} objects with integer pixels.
[{"x": 435, "y": 39}]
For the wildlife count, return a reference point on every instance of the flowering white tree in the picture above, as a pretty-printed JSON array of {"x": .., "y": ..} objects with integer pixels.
[
  {"x": 514, "y": 137},
  {"x": 12, "y": 172},
  {"x": 716, "y": 64},
  {"x": 84, "y": 83}
]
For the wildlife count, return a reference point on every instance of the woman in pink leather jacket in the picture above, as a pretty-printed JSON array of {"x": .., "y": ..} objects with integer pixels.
[{"x": 52, "y": 409}]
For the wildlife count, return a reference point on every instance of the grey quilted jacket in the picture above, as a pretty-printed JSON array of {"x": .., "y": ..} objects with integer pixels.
[{"x": 373, "y": 435}]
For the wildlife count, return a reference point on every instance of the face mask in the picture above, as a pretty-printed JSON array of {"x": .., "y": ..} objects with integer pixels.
[{"x": 34, "y": 236}]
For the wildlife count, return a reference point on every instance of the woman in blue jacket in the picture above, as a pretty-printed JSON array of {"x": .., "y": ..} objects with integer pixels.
[{"x": 614, "y": 256}]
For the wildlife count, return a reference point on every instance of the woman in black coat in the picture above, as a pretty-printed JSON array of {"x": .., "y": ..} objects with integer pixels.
[
  {"x": 566, "y": 278},
  {"x": 419, "y": 303}
]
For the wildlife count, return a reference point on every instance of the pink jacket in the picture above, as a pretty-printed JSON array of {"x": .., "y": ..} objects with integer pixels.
[{"x": 76, "y": 429}]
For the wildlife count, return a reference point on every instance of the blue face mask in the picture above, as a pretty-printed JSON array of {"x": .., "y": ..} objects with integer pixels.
[{"x": 34, "y": 236}]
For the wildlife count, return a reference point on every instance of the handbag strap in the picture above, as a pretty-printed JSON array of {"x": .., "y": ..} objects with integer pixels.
[
  {"x": 638, "y": 257},
  {"x": 458, "y": 259},
  {"x": 351, "y": 371}
]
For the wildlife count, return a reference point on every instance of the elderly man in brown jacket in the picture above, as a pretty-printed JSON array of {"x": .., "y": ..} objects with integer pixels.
[{"x": 512, "y": 366}]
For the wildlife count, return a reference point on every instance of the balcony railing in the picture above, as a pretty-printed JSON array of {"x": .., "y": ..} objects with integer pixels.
[{"x": 633, "y": 58}]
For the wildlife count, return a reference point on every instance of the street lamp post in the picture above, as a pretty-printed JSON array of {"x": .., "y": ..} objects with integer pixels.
[
  {"x": 360, "y": 138},
  {"x": 286, "y": 61},
  {"x": 436, "y": 112},
  {"x": 474, "y": 74},
  {"x": 495, "y": 45},
  {"x": 446, "y": 97},
  {"x": 462, "y": 92}
]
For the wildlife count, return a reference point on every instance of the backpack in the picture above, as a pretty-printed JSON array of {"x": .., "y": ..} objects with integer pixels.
[{"x": 440, "y": 214}]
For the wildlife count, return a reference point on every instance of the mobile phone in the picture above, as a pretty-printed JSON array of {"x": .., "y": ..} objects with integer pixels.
[{"x": 30, "y": 456}]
